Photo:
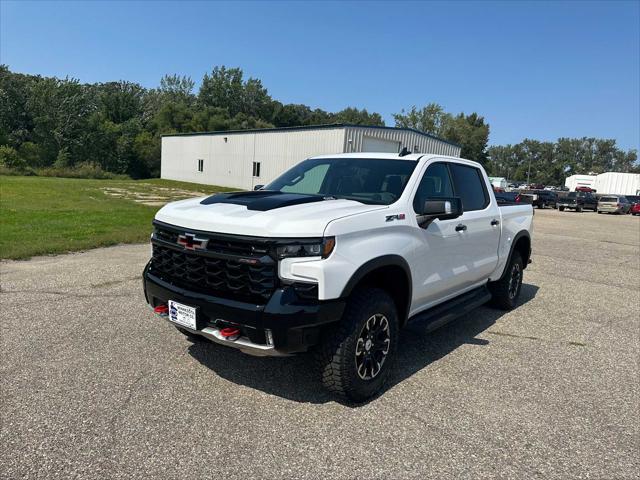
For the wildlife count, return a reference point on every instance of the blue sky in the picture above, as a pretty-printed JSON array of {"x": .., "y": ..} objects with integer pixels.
[{"x": 539, "y": 70}]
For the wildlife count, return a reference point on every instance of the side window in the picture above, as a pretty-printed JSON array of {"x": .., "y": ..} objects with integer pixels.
[
  {"x": 469, "y": 186},
  {"x": 435, "y": 183}
]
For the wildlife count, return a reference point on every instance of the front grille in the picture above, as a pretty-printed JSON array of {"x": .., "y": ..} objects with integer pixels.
[{"x": 224, "y": 277}]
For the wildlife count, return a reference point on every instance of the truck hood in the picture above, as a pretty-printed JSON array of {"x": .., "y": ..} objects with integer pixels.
[{"x": 302, "y": 218}]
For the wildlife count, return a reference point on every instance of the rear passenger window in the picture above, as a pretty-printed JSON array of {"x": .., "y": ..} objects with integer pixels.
[
  {"x": 434, "y": 184},
  {"x": 469, "y": 186}
]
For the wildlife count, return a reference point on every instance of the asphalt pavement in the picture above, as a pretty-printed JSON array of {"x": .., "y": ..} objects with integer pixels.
[{"x": 94, "y": 386}]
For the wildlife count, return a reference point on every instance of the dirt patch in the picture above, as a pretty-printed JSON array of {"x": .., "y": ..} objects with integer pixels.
[{"x": 150, "y": 194}]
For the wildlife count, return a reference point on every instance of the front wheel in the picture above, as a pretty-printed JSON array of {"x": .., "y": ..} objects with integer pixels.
[
  {"x": 561, "y": 209},
  {"x": 354, "y": 356},
  {"x": 505, "y": 292},
  {"x": 579, "y": 209}
]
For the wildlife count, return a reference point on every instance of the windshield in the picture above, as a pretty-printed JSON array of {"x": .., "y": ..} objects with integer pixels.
[
  {"x": 364, "y": 180},
  {"x": 609, "y": 199},
  {"x": 575, "y": 194}
]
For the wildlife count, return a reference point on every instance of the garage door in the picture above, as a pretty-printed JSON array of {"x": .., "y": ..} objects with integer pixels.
[{"x": 370, "y": 144}]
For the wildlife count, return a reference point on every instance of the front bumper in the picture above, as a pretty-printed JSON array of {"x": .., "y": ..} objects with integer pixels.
[{"x": 294, "y": 323}]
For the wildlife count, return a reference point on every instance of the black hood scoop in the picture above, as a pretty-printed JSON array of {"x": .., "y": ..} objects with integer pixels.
[{"x": 262, "y": 200}]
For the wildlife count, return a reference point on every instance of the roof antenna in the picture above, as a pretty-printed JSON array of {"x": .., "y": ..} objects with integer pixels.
[{"x": 405, "y": 151}]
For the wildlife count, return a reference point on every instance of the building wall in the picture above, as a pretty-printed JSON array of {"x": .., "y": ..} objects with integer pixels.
[
  {"x": 580, "y": 181},
  {"x": 355, "y": 135},
  {"x": 228, "y": 158},
  {"x": 608, "y": 182},
  {"x": 620, "y": 183}
]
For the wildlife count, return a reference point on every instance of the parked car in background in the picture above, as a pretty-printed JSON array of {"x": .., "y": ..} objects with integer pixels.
[
  {"x": 511, "y": 197},
  {"x": 614, "y": 204},
  {"x": 541, "y": 198},
  {"x": 578, "y": 201},
  {"x": 635, "y": 209},
  {"x": 586, "y": 189},
  {"x": 633, "y": 199}
]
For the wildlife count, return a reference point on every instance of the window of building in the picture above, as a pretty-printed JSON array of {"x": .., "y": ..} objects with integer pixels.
[
  {"x": 256, "y": 169},
  {"x": 469, "y": 186},
  {"x": 200, "y": 165}
]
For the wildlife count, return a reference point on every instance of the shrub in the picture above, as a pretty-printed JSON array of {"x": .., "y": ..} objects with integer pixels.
[
  {"x": 31, "y": 154},
  {"x": 81, "y": 170},
  {"x": 13, "y": 172},
  {"x": 9, "y": 158}
]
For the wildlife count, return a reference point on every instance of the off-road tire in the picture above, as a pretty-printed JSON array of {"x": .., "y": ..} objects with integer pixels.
[
  {"x": 335, "y": 356},
  {"x": 561, "y": 209},
  {"x": 502, "y": 295}
]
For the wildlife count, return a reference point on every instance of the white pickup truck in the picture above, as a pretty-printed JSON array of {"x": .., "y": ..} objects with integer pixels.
[{"x": 335, "y": 256}]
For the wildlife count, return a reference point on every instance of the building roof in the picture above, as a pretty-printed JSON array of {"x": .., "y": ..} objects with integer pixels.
[{"x": 309, "y": 127}]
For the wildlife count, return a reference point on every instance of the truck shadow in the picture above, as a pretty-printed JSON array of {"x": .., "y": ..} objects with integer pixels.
[{"x": 295, "y": 378}]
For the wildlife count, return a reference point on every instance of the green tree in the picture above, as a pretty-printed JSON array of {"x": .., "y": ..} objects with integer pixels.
[
  {"x": 429, "y": 119},
  {"x": 469, "y": 131},
  {"x": 223, "y": 88},
  {"x": 358, "y": 117}
]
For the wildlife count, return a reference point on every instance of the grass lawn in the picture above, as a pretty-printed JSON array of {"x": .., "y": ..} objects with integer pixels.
[{"x": 43, "y": 215}]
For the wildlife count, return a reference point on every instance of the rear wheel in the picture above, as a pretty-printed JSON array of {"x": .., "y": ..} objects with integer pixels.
[
  {"x": 561, "y": 209},
  {"x": 505, "y": 292},
  {"x": 579, "y": 209},
  {"x": 354, "y": 356}
]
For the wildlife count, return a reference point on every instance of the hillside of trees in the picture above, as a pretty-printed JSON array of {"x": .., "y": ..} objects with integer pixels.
[{"x": 64, "y": 125}]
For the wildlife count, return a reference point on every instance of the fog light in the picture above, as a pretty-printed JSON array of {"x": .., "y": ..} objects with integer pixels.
[{"x": 269, "y": 335}]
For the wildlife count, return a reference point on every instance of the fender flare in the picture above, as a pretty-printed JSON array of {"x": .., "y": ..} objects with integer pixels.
[
  {"x": 514, "y": 242},
  {"x": 376, "y": 263}
]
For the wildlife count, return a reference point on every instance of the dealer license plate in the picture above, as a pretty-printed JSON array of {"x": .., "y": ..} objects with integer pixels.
[{"x": 183, "y": 315}]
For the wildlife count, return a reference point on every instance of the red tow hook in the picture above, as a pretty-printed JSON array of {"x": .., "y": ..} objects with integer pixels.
[
  {"x": 230, "y": 333},
  {"x": 162, "y": 310}
]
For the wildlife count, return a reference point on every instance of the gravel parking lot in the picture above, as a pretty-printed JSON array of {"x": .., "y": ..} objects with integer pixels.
[{"x": 93, "y": 386}]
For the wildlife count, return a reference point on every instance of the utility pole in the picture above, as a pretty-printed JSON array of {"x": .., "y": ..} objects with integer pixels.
[{"x": 529, "y": 171}]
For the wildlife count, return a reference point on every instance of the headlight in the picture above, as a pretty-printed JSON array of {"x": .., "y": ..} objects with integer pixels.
[{"x": 321, "y": 249}]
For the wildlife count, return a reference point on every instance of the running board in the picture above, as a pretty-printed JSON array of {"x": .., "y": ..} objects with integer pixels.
[{"x": 448, "y": 311}]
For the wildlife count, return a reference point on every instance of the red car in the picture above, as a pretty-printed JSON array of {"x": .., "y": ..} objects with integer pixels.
[
  {"x": 585, "y": 189},
  {"x": 635, "y": 204}
]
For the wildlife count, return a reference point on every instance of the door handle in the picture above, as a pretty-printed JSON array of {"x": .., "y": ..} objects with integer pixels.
[
  {"x": 460, "y": 227},
  {"x": 495, "y": 222}
]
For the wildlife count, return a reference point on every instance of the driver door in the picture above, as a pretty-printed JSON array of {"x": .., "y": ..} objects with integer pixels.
[{"x": 438, "y": 258}]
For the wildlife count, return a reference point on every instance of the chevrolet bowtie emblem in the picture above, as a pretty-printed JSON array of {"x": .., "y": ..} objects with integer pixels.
[{"x": 191, "y": 242}]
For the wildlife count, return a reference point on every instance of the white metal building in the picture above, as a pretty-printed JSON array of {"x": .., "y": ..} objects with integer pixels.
[
  {"x": 245, "y": 158},
  {"x": 608, "y": 182},
  {"x": 575, "y": 181}
]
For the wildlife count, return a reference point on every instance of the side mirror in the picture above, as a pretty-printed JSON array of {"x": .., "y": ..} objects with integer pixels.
[
  {"x": 258, "y": 187},
  {"x": 441, "y": 209}
]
